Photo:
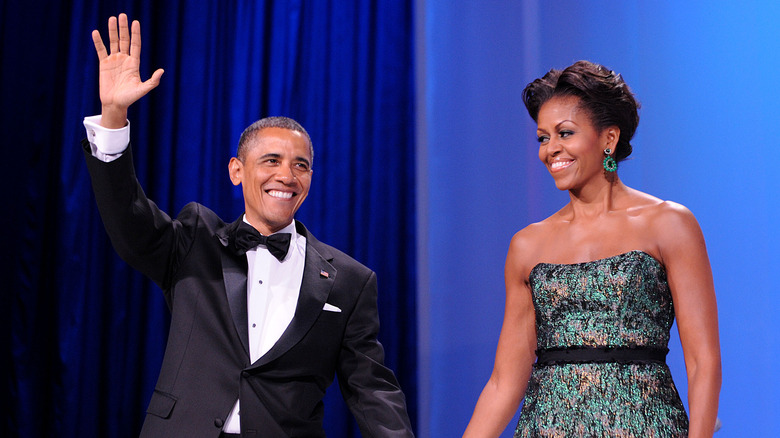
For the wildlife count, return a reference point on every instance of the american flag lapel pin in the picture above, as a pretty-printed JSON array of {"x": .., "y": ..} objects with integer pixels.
[{"x": 324, "y": 274}]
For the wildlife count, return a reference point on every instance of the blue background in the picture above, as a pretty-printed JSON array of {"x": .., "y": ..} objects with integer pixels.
[{"x": 706, "y": 74}]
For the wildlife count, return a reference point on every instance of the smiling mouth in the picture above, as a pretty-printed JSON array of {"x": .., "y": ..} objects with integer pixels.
[
  {"x": 280, "y": 195},
  {"x": 560, "y": 165}
]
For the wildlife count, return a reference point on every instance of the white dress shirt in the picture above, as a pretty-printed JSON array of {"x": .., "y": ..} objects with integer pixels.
[
  {"x": 272, "y": 296},
  {"x": 272, "y": 286}
]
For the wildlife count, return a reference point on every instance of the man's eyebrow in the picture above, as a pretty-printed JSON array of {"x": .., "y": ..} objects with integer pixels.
[
  {"x": 276, "y": 155},
  {"x": 268, "y": 155}
]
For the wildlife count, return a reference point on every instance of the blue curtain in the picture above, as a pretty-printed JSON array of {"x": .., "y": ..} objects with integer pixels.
[{"x": 85, "y": 333}]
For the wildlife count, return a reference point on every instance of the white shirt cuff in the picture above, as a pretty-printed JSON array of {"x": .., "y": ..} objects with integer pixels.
[{"x": 107, "y": 144}]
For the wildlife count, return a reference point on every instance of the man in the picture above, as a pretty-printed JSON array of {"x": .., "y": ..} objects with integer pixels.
[{"x": 262, "y": 314}]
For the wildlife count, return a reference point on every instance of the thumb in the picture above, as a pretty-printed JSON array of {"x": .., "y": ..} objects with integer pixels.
[{"x": 154, "y": 81}]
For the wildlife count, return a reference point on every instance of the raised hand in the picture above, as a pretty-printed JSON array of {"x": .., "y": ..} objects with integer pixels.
[{"x": 120, "y": 77}]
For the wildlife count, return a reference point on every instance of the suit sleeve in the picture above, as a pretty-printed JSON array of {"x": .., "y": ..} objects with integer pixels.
[
  {"x": 369, "y": 388},
  {"x": 142, "y": 234}
]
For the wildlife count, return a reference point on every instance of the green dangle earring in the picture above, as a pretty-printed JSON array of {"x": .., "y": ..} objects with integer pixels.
[{"x": 610, "y": 165}]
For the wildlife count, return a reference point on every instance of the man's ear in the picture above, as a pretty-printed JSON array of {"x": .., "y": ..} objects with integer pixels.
[{"x": 236, "y": 171}]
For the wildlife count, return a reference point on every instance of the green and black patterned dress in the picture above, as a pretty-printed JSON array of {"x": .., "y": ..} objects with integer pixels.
[{"x": 602, "y": 335}]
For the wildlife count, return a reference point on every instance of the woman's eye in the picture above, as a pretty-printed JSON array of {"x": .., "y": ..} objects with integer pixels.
[
  {"x": 565, "y": 134},
  {"x": 542, "y": 138}
]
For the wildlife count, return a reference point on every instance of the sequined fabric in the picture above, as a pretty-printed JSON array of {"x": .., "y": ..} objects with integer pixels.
[{"x": 620, "y": 301}]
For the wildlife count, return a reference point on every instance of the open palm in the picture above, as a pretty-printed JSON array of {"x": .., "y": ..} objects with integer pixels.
[{"x": 120, "y": 78}]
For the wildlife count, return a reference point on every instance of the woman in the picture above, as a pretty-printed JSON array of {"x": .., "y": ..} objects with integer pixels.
[{"x": 592, "y": 291}]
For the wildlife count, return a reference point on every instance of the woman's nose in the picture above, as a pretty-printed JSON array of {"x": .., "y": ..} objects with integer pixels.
[{"x": 554, "y": 146}]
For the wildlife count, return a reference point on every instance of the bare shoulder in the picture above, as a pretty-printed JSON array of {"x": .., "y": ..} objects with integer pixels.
[
  {"x": 635, "y": 201},
  {"x": 675, "y": 229},
  {"x": 656, "y": 212},
  {"x": 671, "y": 216},
  {"x": 525, "y": 248},
  {"x": 532, "y": 235}
]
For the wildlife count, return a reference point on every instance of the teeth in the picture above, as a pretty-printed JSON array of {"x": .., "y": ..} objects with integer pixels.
[
  {"x": 279, "y": 194},
  {"x": 559, "y": 164}
]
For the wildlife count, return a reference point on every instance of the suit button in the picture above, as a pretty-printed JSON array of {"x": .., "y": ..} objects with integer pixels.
[{"x": 218, "y": 422}]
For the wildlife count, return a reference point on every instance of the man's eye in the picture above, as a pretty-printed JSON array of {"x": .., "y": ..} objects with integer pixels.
[{"x": 302, "y": 166}]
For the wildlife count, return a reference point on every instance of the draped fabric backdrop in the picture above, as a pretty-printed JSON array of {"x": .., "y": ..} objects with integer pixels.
[{"x": 85, "y": 332}]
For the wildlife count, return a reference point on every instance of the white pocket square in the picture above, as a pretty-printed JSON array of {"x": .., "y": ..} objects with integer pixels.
[{"x": 331, "y": 308}]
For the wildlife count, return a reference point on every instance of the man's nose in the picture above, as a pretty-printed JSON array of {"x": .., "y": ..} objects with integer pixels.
[{"x": 285, "y": 174}]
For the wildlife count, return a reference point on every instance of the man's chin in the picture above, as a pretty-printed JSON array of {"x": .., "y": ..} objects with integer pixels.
[{"x": 279, "y": 223}]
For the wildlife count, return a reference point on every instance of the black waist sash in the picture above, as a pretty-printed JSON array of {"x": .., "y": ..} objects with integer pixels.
[{"x": 580, "y": 354}]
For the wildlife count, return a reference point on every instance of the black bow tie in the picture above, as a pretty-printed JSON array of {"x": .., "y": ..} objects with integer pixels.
[{"x": 247, "y": 238}]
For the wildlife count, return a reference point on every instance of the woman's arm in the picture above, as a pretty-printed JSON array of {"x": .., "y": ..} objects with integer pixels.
[
  {"x": 515, "y": 353},
  {"x": 684, "y": 254}
]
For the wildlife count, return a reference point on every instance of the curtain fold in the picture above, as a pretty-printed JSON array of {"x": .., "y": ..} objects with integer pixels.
[{"x": 85, "y": 333}]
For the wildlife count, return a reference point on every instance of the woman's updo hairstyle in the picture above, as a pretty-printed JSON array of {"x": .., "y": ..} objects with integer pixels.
[{"x": 602, "y": 93}]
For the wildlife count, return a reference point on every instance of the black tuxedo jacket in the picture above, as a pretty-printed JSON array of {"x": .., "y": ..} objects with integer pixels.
[{"x": 206, "y": 364}]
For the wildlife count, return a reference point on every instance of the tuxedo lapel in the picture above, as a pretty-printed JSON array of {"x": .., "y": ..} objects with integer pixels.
[
  {"x": 318, "y": 277},
  {"x": 234, "y": 271}
]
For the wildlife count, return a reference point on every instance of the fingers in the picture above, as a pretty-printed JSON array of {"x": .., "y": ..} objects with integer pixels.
[
  {"x": 99, "y": 47},
  {"x": 135, "y": 42},
  {"x": 151, "y": 83},
  {"x": 154, "y": 81},
  {"x": 113, "y": 37},
  {"x": 124, "y": 41},
  {"x": 124, "y": 34},
  {"x": 119, "y": 38}
]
